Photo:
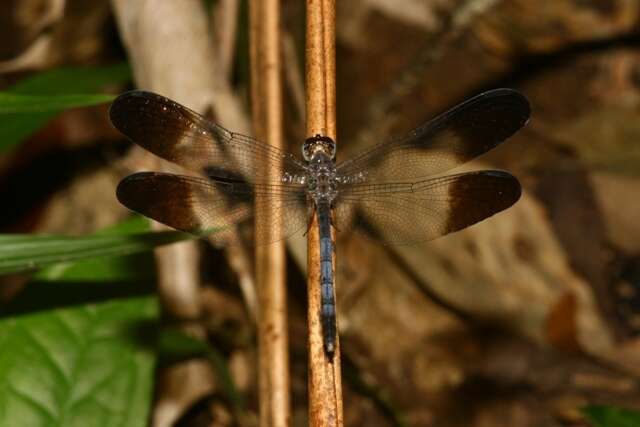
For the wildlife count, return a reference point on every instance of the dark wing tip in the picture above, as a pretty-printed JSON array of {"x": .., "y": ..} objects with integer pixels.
[
  {"x": 126, "y": 103},
  {"x": 498, "y": 115},
  {"x": 119, "y": 110},
  {"x": 136, "y": 94},
  {"x": 510, "y": 190},
  {"x": 156, "y": 195},
  {"x": 476, "y": 196},
  {"x": 129, "y": 186},
  {"x": 517, "y": 101}
]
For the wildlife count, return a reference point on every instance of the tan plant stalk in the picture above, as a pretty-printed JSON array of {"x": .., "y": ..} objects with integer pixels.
[
  {"x": 225, "y": 29},
  {"x": 325, "y": 388},
  {"x": 266, "y": 91}
]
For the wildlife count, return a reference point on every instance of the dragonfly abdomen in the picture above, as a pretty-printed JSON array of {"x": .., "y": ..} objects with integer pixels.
[{"x": 327, "y": 300}]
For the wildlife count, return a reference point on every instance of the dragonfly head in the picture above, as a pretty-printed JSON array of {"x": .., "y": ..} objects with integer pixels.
[{"x": 318, "y": 144}]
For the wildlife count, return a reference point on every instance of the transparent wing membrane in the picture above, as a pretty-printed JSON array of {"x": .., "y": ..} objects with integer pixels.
[
  {"x": 451, "y": 139},
  {"x": 182, "y": 136},
  {"x": 407, "y": 213},
  {"x": 391, "y": 190},
  {"x": 212, "y": 208}
]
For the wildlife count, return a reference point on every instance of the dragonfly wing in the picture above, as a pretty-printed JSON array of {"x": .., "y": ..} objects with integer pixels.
[
  {"x": 451, "y": 139},
  {"x": 212, "y": 208},
  {"x": 182, "y": 136},
  {"x": 407, "y": 213}
]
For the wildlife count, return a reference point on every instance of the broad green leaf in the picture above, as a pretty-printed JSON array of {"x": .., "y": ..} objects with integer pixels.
[
  {"x": 83, "y": 366},
  {"x": 20, "y": 104},
  {"x": 65, "y": 83},
  {"x": 608, "y": 416},
  {"x": 24, "y": 252}
]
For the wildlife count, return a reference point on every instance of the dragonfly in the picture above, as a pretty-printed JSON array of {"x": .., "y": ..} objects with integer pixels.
[{"x": 396, "y": 191}]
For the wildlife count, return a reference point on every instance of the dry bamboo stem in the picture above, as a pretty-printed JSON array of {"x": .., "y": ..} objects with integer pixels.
[
  {"x": 266, "y": 87},
  {"x": 325, "y": 387}
]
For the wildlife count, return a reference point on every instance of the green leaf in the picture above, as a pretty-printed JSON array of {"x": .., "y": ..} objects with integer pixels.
[
  {"x": 176, "y": 344},
  {"x": 608, "y": 416},
  {"x": 122, "y": 268},
  {"x": 134, "y": 224},
  {"x": 16, "y": 127},
  {"x": 72, "y": 80},
  {"x": 12, "y": 104},
  {"x": 83, "y": 366},
  {"x": 20, "y": 252},
  {"x": 126, "y": 268},
  {"x": 61, "y": 87}
]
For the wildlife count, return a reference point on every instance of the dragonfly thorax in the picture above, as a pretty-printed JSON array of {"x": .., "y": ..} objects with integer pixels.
[{"x": 322, "y": 185}]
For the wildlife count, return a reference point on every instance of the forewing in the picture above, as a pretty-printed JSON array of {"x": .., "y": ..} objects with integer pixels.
[
  {"x": 182, "y": 136},
  {"x": 407, "y": 213},
  {"x": 212, "y": 208},
  {"x": 455, "y": 137}
]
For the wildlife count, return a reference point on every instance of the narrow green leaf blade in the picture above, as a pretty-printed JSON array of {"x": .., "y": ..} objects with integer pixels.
[
  {"x": 16, "y": 126},
  {"x": 134, "y": 224},
  {"x": 19, "y": 104},
  {"x": 83, "y": 366},
  {"x": 107, "y": 269},
  {"x": 64, "y": 80},
  {"x": 608, "y": 416},
  {"x": 21, "y": 252},
  {"x": 119, "y": 268}
]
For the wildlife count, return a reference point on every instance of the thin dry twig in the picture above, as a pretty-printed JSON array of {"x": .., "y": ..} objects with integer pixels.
[
  {"x": 325, "y": 388},
  {"x": 292, "y": 72},
  {"x": 266, "y": 87},
  {"x": 239, "y": 261},
  {"x": 225, "y": 23}
]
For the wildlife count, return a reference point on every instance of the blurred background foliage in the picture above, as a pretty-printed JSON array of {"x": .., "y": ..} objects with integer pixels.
[{"x": 528, "y": 319}]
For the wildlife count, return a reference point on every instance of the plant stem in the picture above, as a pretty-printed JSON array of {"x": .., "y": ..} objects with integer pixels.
[
  {"x": 325, "y": 388},
  {"x": 266, "y": 87}
]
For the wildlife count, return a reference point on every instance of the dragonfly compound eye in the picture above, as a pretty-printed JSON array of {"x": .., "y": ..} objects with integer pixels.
[{"x": 316, "y": 144}]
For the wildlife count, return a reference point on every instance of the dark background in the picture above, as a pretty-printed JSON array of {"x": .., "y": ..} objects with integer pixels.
[{"x": 517, "y": 321}]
